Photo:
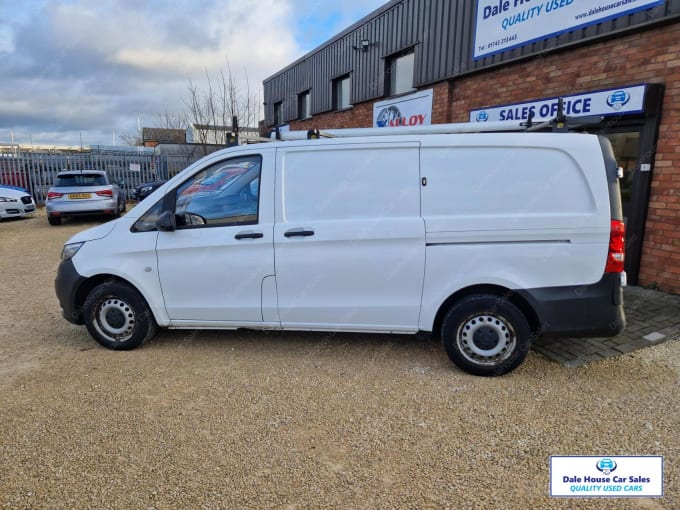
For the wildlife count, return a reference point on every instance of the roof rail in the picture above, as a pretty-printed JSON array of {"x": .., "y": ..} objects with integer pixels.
[{"x": 462, "y": 127}]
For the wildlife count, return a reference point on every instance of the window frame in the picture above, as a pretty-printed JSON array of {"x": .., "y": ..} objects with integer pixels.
[
  {"x": 172, "y": 195},
  {"x": 304, "y": 103},
  {"x": 278, "y": 113},
  {"x": 337, "y": 85},
  {"x": 392, "y": 75}
]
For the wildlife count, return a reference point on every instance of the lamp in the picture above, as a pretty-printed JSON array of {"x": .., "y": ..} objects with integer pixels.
[{"x": 364, "y": 44}]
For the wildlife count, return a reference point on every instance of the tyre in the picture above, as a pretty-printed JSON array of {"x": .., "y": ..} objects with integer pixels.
[
  {"x": 54, "y": 220},
  {"x": 118, "y": 317},
  {"x": 486, "y": 335}
]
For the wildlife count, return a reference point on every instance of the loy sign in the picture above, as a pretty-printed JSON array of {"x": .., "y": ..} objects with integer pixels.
[
  {"x": 506, "y": 24},
  {"x": 412, "y": 110}
]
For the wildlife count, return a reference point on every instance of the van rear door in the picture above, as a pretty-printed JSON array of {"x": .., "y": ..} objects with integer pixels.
[{"x": 349, "y": 240}]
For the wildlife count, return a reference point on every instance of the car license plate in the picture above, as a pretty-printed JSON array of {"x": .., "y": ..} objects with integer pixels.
[{"x": 79, "y": 195}]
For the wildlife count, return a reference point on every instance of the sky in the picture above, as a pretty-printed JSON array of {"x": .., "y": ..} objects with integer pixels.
[{"x": 86, "y": 71}]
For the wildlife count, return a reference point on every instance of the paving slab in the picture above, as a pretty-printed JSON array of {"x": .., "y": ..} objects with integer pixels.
[{"x": 652, "y": 317}]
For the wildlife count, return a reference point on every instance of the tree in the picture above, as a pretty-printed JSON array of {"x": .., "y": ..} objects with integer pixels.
[{"x": 212, "y": 109}]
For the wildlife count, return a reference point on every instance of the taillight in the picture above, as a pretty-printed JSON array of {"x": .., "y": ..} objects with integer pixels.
[
  {"x": 617, "y": 248},
  {"x": 105, "y": 193},
  {"x": 54, "y": 194}
]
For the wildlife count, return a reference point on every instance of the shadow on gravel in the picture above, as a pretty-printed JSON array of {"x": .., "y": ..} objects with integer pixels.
[{"x": 245, "y": 338}]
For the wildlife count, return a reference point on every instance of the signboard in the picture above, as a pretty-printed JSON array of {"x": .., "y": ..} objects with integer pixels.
[
  {"x": 615, "y": 477},
  {"x": 412, "y": 110},
  {"x": 135, "y": 167},
  {"x": 505, "y": 24},
  {"x": 624, "y": 100}
]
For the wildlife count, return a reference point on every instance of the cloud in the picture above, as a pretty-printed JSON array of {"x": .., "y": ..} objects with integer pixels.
[{"x": 77, "y": 65}]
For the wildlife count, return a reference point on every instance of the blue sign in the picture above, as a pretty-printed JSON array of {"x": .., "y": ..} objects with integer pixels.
[{"x": 625, "y": 100}]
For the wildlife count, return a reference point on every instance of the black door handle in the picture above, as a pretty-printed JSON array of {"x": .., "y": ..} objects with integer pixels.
[
  {"x": 299, "y": 232},
  {"x": 249, "y": 235}
]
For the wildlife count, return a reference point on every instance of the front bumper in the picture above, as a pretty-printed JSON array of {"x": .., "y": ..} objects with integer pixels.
[
  {"x": 67, "y": 286},
  {"x": 16, "y": 210}
]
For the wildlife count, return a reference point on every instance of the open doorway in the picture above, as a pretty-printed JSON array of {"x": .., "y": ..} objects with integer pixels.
[{"x": 626, "y": 149}]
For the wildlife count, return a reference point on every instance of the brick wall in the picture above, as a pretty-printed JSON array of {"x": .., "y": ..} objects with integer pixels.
[
  {"x": 361, "y": 115},
  {"x": 652, "y": 56}
]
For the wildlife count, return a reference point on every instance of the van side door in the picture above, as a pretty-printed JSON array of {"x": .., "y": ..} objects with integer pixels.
[
  {"x": 213, "y": 265},
  {"x": 349, "y": 240}
]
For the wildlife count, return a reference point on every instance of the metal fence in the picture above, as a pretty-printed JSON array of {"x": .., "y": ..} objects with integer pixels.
[{"x": 36, "y": 171}]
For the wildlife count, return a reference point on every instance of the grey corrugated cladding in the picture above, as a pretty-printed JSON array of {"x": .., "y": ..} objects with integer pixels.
[{"x": 441, "y": 33}]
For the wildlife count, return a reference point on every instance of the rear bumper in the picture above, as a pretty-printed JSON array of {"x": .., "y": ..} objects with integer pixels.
[
  {"x": 580, "y": 311},
  {"x": 85, "y": 207}
]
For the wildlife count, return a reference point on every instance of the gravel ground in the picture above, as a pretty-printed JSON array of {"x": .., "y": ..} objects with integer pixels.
[{"x": 297, "y": 420}]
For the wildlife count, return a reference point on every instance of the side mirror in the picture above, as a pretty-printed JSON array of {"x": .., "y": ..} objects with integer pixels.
[{"x": 166, "y": 222}]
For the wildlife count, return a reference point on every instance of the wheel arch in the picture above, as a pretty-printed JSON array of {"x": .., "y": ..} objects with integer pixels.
[
  {"x": 501, "y": 292},
  {"x": 93, "y": 281}
]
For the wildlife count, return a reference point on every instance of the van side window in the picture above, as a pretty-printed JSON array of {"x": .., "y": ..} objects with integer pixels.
[{"x": 225, "y": 193}]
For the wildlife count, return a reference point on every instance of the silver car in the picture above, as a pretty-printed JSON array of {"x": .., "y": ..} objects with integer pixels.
[{"x": 86, "y": 192}]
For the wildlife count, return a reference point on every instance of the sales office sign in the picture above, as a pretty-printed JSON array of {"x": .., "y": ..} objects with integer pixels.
[
  {"x": 618, "y": 477},
  {"x": 625, "y": 100}
]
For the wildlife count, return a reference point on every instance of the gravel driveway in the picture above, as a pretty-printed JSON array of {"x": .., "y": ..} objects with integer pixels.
[{"x": 297, "y": 420}]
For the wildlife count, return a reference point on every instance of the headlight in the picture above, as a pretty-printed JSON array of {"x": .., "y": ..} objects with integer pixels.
[
  {"x": 70, "y": 250},
  {"x": 7, "y": 199}
]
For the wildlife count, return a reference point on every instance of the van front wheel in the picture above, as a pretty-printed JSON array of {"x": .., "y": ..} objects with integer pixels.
[
  {"x": 486, "y": 335},
  {"x": 118, "y": 317}
]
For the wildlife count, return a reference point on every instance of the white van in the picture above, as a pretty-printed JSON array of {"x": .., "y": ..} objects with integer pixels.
[{"x": 486, "y": 239}]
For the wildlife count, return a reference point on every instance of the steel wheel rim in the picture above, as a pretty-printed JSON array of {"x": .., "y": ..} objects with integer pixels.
[
  {"x": 486, "y": 339},
  {"x": 114, "y": 319}
]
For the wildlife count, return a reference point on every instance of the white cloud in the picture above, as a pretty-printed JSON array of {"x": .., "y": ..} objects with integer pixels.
[{"x": 96, "y": 66}]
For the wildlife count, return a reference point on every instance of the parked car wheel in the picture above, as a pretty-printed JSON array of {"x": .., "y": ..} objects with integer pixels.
[
  {"x": 118, "y": 317},
  {"x": 54, "y": 220},
  {"x": 486, "y": 335}
]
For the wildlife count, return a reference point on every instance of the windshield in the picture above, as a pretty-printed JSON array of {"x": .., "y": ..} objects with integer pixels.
[{"x": 64, "y": 181}]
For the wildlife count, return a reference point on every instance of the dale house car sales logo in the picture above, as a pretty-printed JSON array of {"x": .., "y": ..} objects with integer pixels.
[{"x": 601, "y": 477}]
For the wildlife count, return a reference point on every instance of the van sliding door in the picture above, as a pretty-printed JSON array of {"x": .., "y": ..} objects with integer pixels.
[{"x": 349, "y": 240}]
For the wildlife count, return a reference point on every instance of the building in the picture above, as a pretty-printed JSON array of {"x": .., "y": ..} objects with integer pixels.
[
  {"x": 219, "y": 135},
  {"x": 416, "y": 62},
  {"x": 152, "y": 136}
]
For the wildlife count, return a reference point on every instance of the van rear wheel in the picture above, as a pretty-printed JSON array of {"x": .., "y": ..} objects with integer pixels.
[
  {"x": 118, "y": 317},
  {"x": 486, "y": 335}
]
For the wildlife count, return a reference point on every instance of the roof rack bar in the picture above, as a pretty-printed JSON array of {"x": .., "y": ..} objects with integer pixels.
[{"x": 462, "y": 127}]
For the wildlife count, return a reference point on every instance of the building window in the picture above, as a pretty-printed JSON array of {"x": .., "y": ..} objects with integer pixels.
[
  {"x": 278, "y": 113},
  {"x": 304, "y": 105},
  {"x": 341, "y": 93},
  {"x": 399, "y": 74}
]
